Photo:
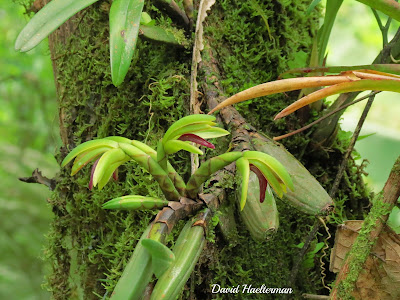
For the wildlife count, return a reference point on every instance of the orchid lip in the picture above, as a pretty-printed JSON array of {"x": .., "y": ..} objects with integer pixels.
[
  {"x": 92, "y": 173},
  {"x": 196, "y": 139},
  {"x": 261, "y": 180}
]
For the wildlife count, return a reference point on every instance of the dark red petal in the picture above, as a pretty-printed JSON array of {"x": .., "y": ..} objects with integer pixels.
[
  {"x": 115, "y": 174},
  {"x": 261, "y": 180},
  {"x": 92, "y": 173},
  {"x": 196, "y": 139}
]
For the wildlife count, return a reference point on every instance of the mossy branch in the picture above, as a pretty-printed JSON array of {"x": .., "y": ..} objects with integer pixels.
[{"x": 369, "y": 233}]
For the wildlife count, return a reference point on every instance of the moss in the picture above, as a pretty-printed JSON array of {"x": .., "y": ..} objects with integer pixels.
[{"x": 89, "y": 247}]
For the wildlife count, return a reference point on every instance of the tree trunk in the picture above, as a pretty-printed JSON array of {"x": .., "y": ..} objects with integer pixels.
[{"x": 88, "y": 246}]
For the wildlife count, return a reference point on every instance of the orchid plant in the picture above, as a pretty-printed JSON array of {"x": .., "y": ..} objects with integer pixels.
[{"x": 111, "y": 152}]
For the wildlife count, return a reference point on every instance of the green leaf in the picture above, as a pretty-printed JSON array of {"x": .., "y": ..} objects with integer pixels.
[
  {"x": 332, "y": 8},
  {"x": 394, "y": 219},
  {"x": 243, "y": 167},
  {"x": 388, "y": 7},
  {"x": 48, "y": 19},
  {"x": 299, "y": 60},
  {"x": 312, "y": 6},
  {"x": 174, "y": 146},
  {"x": 124, "y": 29},
  {"x": 135, "y": 202},
  {"x": 107, "y": 164},
  {"x": 161, "y": 256},
  {"x": 159, "y": 34},
  {"x": 185, "y": 121},
  {"x": 361, "y": 137},
  {"x": 215, "y": 132},
  {"x": 145, "y": 19},
  {"x": 87, "y": 146}
]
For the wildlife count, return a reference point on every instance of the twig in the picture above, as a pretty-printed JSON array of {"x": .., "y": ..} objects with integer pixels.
[
  {"x": 384, "y": 29},
  {"x": 354, "y": 138},
  {"x": 277, "y": 138},
  {"x": 307, "y": 243},
  {"x": 37, "y": 177},
  {"x": 333, "y": 190}
]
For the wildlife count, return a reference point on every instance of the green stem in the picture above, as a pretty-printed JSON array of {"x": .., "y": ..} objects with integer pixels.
[
  {"x": 148, "y": 163},
  {"x": 207, "y": 169},
  {"x": 172, "y": 174},
  {"x": 162, "y": 157}
]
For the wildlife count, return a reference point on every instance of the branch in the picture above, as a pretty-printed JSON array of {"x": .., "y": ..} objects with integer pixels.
[
  {"x": 369, "y": 232},
  {"x": 37, "y": 177}
]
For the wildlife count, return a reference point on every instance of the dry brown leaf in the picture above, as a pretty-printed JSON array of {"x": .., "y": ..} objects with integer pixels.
[{"x": 380, "y": 278}]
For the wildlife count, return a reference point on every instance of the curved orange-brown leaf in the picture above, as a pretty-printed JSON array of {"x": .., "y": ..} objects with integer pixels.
[
  {"x": 346, "y": 87},
  {"x": 284, "y": 85},
  {"x": 375, "y": 75}
]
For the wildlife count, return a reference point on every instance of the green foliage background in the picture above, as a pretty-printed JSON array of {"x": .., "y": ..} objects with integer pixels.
[{"x": 29, "y": 137}]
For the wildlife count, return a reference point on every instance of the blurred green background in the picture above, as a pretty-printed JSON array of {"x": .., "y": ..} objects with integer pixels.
[{"x": 29, "y": 138}]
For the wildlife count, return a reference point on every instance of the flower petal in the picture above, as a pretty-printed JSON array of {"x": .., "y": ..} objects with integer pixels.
[
  {"x": 261, "y": 180},
  {"x": 92, "y": 173},
  {"x": 196, "y": 139}
]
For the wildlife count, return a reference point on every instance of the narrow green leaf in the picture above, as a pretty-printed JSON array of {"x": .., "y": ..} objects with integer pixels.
[
  {"x": 133, "y": 202},
  {"x": 188, "y": 120},
  {"x": 161, "y": 256},
  {"x": 191, "y": 128},
  {"x": 48, "y": 19},
  {"x": 137, "y": 273},
  {"x": 361, "y": 137},
  {"x": 273, "y": 164},
  {"x": 124, "y": 29},
  {"x": 312, "y": 6},
  {"x": 108, "y": 172},
  {"x": 119, "y": 139},
  {"x": 187, "y": 251},
  {"x": 159, "y": 34},
  {"x": 388, "y": 7},
  {"x": 106, "y": 162},
  {"x": 90, "y": 145},
  {"x": 243, "y": 167},
  {"x": 271, "y": 177},
  {"x": 85, "y": 158},
  {"x": 215, "y": 132},
  {"x": 174, "y": 146},
  {"x": 332, "y": 8},
  {"x": 149, "y": 164}
]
